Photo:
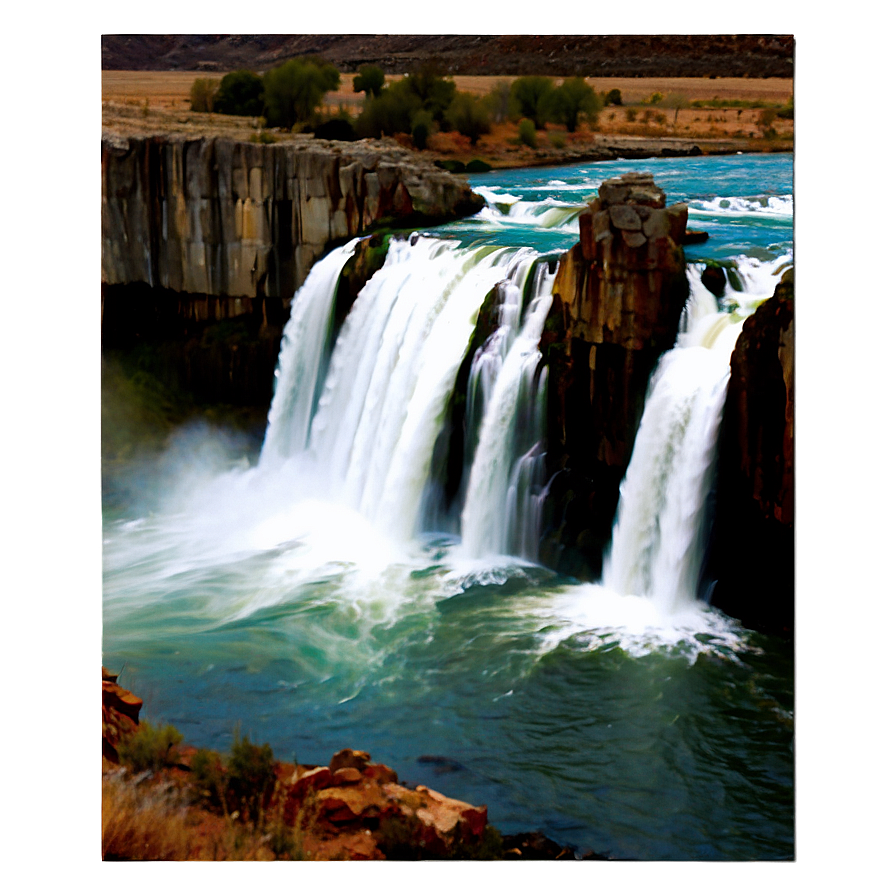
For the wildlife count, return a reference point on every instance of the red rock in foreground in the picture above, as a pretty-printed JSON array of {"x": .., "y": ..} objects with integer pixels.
[{"x": 352, "y": 809}]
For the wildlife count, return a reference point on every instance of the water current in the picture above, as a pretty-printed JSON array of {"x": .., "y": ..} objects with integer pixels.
[{"x": 307, "y": 589}]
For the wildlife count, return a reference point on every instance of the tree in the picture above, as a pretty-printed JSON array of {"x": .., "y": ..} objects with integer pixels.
[
  {"x": 469, "y": 116},
  {"x": 676, "y": 101},
  {"x": 202, "y": 95},
  {"x": 434, "y": 91},
  {"x": 392, "y": 112},
  {"x": 531, "y": 97},
  {"x": 240, "y": 93},
  {"x": 498, "y": 102},
  {"x": 293, "y": 91},
  {"x": 369, "y": 80},
  {"x": 574, "y": 98}
]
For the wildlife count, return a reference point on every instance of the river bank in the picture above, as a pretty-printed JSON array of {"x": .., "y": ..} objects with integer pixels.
[{"x": 163, "y": 801}]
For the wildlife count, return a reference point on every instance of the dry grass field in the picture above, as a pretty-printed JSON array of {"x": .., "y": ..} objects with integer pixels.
[{"x": 141, "y": 101}]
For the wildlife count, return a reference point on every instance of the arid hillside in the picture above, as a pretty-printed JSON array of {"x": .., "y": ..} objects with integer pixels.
[{"x": 653, "y": 55}]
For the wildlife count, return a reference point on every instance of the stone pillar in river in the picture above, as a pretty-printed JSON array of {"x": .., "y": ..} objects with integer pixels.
[{"x": 618, "y": 297}]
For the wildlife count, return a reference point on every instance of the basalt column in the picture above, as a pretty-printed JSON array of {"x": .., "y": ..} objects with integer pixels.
[
  {"x": 618, "y": 298},
  {"x": 751, "y": 556}
]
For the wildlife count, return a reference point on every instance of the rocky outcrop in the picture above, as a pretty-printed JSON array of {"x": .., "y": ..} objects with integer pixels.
[
  {"x": 752, "y": 550},
  {"x": 201, "y": 230},
  {"x": 121, "y": 711},
  {"x": 618, "y": 296},
  {"x": 226, "y": 219}
]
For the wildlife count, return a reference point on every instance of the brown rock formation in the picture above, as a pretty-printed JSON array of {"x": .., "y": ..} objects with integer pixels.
[
  {"x": 226, "y": 220},
  {"x": 618, "y": 297},
  {"x": 121, "y": 711},
  {"x": 209, "y": 230},
  {"x": 752, "y": 550}
]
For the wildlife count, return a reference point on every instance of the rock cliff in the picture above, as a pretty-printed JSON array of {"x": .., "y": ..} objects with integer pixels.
[
  {"x": 618, "y": 296},
  {"x": 197, "y": 230},
  {"x": 752, "y": 550}
]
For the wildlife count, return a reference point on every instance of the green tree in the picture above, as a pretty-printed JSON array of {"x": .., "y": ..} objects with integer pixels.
[
  {"x": 392, "y": 112},
  {"x": 293, "y": 91},
  {"x": 469, "y": 116},
  {"x": 434, "y": 91},
  {"x": 531, "y": 98},
  {"x": 240, "y": 93},
  {"x": 571, "y": 100},
  {"x": 202, "y": 95},
  {"x": 369, "y": 80}
]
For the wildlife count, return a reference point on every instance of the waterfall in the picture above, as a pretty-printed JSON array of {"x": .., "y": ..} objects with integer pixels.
[
  {"x": 369, "y": 437},
  {"x": 502, "y": 507},
  {"x": 661, "y": 523},
  {"x": 303, "y": 358}
]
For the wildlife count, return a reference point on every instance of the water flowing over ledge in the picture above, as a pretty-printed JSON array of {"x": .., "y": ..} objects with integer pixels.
[{"x": 309, "y": 593}]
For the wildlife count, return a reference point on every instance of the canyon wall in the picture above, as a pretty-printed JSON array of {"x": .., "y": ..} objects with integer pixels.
[
  {"x": 752, "y": 551},
  {"x": 199, "y": 231},
  {"x": 618, "y": 297}
]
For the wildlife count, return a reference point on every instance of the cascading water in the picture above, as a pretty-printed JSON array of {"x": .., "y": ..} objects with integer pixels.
[
  {"x": 303, "y": 359},
  {"x": 661, "y": 522},
  {"x": 393, "y": 368},
  {"x": 262, "y": 594},
  {"x": 501, "y": 511}
]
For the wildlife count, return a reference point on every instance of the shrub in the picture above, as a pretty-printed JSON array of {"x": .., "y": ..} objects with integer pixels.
[
  {"x": 477, "y": 166},
  {"x": 336, "y": 129},
  {"x": 202, "y": 95},
  {"x": 787, "y": 110},
  {"x": 558, "y": 141},
  {"x": 141, "y": 823},
  {"x": 631, "y": 114},
  {"x": 531, "y": 97},
  {"x": 654, "y": 99},
  {"x": 614, "y": 97},
  {"x": 573, "y": 98},
  {"x": 293, "y": 91},
  {"x": 527, "y": 132},
  {"x": 468, "y": 116},
  {"x": 766, "y": 117},
  {"x": 389, "y": 113},
  {"x": 240, "y": 93},
  {"x": 147, "y": 749},
  {"x": 498, "y": 102},
  {"x": 369, "y": 80},
  {"x": 421, "y": 127},
  {"x": 262, "y": 137},
  {"x": 209, "y": 779},
  {"x": 452, "y": 165},
  {"x": 250, "y": 775}
]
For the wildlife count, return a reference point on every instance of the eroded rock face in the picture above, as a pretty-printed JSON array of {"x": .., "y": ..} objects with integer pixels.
[
  {"x": 217, "y": 217},
  {"x": 752, "y": 551},
  {"x": 205, "y": 241},
  {"x": 121, "y": 711},
  {"x": 618, "y": 297}
]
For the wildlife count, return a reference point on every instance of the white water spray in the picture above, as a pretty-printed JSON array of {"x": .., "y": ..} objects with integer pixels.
[{"x": 303, "y": 358}]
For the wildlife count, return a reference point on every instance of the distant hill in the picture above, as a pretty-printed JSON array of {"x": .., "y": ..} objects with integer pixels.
[{"x": 697, "y": 55}]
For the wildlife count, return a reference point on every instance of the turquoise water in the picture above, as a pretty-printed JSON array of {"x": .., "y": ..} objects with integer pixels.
[{"x": 232, "y": 596}]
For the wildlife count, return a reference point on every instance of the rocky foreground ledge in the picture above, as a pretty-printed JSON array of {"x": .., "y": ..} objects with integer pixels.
[{"x": 159, "y": 804}]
